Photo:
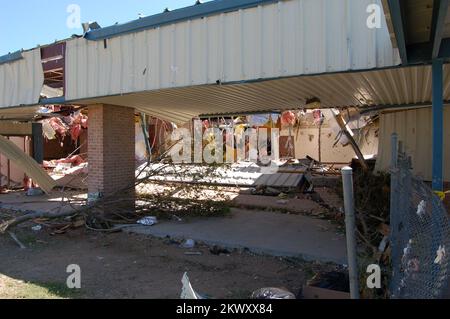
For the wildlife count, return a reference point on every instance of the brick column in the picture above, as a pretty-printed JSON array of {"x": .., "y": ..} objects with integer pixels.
[{"x": 111, "y": 150}]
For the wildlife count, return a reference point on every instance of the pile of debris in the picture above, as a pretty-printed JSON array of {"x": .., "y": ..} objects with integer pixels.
[
  {"x": 67, "y": 121},
  {"x": 372, "y": 207}
]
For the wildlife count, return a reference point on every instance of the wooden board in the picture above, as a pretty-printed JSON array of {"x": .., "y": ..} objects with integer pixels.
[
  {"x": 15, "y": 129},
  {"x": 27, "y": 164}
]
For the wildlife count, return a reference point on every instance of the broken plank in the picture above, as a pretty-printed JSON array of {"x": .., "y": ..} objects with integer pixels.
[
  {"x": 27, "y": 164},
  {"x": 349, "y": 134}
]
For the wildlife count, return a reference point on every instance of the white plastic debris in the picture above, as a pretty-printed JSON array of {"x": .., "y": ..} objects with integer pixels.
[
  {"x": 421, "y": 209},
  {"x": 272, "y": 293},
  {"x": 36, "y": 228},
  {"x": 187, "y": 291},
  {"x": 188, "y": 244},
  {"x": 148, "y": 221},
  {"x": 440, "y": 255},
  {"x": 408, "y": 249},
  {"x": 383, "y": 245}
]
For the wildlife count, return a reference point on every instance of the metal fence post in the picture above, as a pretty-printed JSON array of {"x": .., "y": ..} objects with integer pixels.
[
  {"x": 394, "y": 170},
  {"x": 347, "y": 179},
  {"x": 394, "y": 151}
]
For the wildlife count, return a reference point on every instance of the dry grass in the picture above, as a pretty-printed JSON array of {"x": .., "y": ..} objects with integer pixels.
[{"x": 16, "y": 289}]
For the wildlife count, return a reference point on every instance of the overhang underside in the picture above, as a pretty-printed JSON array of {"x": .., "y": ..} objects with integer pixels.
[
  {"x": 398, "y": 87},
  {"x": 19, "y": 114}
]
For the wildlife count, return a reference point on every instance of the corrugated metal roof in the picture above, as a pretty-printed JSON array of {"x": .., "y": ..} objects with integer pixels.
[
  {"x": 287, "y": 38},
  {"x": 21, "y": 81},
  {"x": 399, "y": 86},
  {"x": 414, "y": 130},
  {"x": 193, "y": 12},
  {"x": 11, "y": 57}
]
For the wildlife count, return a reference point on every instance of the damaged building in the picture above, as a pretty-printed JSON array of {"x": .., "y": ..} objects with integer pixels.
[{"x": 95, "y": 111}]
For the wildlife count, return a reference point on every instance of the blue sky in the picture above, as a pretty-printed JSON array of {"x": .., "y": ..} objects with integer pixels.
[{"x": 26, "y": 23}]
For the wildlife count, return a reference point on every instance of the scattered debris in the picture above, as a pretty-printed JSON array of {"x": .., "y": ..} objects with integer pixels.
[
  {"x": 441, "y": 254},
  {"x": 350, "y": 135},
  {"x": 188, "y": 244},
  {"x": 178, "y": 219},
  {"x": 337, "y": 280},
  {"x": 216, "y": 250},
  {"x": 272, "y": 293},
  {"x": 148, "y": 221},
  {"x": 283, "y": 196},
  {"x": 187, "y": 292},
  {"x": 18, "y": 242},
  {"x": 36, "y": 228},
  {"x": 383, "y": 245},
  {"x": 193, "y": 253},
  {"x": 421, "y": 209}
]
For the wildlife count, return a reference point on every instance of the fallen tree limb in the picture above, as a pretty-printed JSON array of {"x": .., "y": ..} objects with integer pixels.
[
  {"x": 4, "y": 227},
  {"x": 89, "y": 211}
]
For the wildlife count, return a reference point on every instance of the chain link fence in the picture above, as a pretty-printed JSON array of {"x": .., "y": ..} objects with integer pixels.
[{"x": 420, "y": 236}]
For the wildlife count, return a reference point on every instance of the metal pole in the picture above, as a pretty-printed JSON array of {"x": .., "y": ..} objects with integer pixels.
[
  {"x": 438, "y": 125},
  {"x": 38, "y": 143},
  {"x": 394, "y": 151},
  {"x": 347, "y": 179},
  {"x": 144, "y": 126},
  {"x": 394, "y": 213}
]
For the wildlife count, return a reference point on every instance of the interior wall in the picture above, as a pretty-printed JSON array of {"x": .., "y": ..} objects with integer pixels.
[{"x": 327, "y": 150}]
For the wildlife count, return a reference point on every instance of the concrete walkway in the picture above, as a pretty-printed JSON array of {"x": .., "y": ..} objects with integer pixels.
[
  {"x": 53, "y": 202},
  {"x": 261, "y": 232}
]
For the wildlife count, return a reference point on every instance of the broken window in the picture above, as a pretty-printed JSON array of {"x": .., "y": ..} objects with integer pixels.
[{"x": 53, "y": 64}]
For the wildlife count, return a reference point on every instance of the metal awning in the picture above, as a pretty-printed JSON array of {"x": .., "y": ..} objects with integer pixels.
[{"x": 397, "y": 87}]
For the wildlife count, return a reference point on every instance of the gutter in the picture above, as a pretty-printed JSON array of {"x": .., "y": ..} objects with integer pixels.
[
  {"x": 184, "y": 14},
  {"x": 11, "y": 57}
]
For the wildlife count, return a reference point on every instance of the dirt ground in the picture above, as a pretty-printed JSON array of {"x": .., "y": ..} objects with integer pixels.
[{"x": 131, "y": 266}]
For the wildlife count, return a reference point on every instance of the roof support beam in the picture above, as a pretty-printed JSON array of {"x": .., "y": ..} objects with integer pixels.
[
  {"x": 440, "y": 9},
  {"x": 398, "y": 23},
  {"x": 38, "y": 143}
]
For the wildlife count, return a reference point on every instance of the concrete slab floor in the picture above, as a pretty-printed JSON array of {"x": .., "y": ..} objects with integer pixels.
[{"x": 261, "y": 232}]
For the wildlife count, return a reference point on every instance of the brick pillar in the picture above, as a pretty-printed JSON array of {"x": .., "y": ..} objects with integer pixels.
[{"x": 111, "y": 150}]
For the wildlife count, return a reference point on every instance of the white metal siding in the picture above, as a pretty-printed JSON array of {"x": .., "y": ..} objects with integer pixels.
[
  {"x": 414, "y": 128},
  {"x": 21, "y": 81},
  {"x": 293, "y": 37}
]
